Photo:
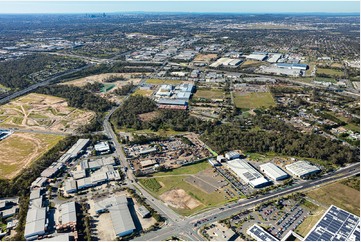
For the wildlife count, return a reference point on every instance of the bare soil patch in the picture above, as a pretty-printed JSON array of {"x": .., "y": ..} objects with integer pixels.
[
  {"x": 178, "y": 198},
  {"x": 43, "y": 112}
]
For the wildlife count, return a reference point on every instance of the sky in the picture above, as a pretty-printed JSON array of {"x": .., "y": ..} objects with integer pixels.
[{"x": 178, "y": 6}]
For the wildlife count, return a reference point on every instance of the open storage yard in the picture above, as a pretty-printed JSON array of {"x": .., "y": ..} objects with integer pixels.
[
  {"x": 190, "y": 189},
  {"x": 20, "y": 149},
  {"x": 43, "y": 112},
  {"x": 253, "y": 100}
]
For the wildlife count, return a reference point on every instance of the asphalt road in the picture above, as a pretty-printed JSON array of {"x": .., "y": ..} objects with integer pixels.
[
  {"x": 41, "y": 84},
  {"x": 186, "y": 225},
  {"x": 130, "y": 178}
]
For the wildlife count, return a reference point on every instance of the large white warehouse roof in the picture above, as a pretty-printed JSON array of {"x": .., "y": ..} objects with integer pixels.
[
  {"x": 273, "y": 171},
  {"x": 247, "y": 173},
  {"x": 302, "y": 168}
]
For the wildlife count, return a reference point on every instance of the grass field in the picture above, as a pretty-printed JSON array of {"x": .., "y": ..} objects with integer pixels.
[
  {"x": 159, "y": 81},
  {"x": 146, "y": 93},
  {"x": 209, "y": 94},
  {"x": 311, "y": 220},
  {"x": 43, "y": 112},
  {"x": 353, "y": 182},
  {"x": 338, "y": 194},
  {"x": 21, "y": 149},
  {"x": 331, "y": 72},
  {"x": 176, "y": 179},
  {"x": 325, "y": 79},
  {"x": 151, "y": 184},
  {"x": 253, "y": 100},
  {"x": 185, "y": 170}
]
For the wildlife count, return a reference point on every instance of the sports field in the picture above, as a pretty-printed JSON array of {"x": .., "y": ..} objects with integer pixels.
[
  {"x": 43, "y": 112},
  {"x": 209, "y": 94},
  {"x": 188, "y": 189},
  {"x": 19, "y": 150},
  {"x": 252, "y": 100}
]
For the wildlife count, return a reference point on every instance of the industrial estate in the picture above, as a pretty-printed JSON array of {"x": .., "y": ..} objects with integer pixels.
[{"x": 195, "y": 127}]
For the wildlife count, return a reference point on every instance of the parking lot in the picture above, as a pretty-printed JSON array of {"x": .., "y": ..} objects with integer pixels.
[
  {"x": 278, "y": 218},
  {"x": 239, "y": 186}
]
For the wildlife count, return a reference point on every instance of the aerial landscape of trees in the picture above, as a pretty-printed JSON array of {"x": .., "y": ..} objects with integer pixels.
[
  {"x": 16, "y": 73},
  {"x": 127, "y": 116}
]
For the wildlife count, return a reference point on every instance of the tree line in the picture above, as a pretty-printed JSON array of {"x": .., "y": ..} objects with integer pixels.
[
  {"x": 179, "y": 120},
  {"x": 77, "y": 97},
  {"x": 15, "y": 73},
  {"x": 276, "y": 136}
]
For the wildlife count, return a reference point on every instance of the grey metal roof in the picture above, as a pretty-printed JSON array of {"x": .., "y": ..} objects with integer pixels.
[
  {"x": 172, "y": 101},
  {"x": 77, "y": 147},
  {"x": 68, "y": 212},
  {"x": 35, "y": 221},
  {"x": 273, "y": 171},
  {"x": 302, "y": 168},
  {"x": 121, "y": 218}
]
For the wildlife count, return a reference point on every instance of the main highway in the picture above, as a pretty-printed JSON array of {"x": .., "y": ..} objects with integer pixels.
[
  {"x": 185, "y": 228},
  {"x": 177, "y": 225}
]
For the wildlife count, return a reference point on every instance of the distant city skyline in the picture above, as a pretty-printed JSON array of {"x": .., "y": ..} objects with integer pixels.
[{"x": 180, "y": 6}]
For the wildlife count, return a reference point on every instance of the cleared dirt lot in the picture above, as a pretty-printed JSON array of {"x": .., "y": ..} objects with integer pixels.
[
  {"x": 178, "y": 198},
  {"x": 19, "y": 150},
  {"x": 43, "y": 112},
  {"x": 205, "y": 57},
  {"x": 102, "y": 77}
]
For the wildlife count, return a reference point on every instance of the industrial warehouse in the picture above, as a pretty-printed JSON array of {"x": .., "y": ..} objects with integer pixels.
[
  {"x": 273, "y": 171},
  {"x": 248, "y": 173},
  {"x": 302, "y": 169},
  {"x": 259, "y": 234},
  {"x": 336, "y": 225},
  {"x": 174, "y": 97},
  {"x": 121, "y": 218}
]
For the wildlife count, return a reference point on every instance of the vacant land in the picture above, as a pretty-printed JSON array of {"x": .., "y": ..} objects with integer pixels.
[
  {"x": 251, "y": 63},
  {"x": 185, "y": 170},
  {"x": 338, "y": 194},
  {"x": 205, "y": 57},
  {"x": 353, "y": 182},
  {"x": 331, "y": 72},
  {"x": 253, "y": 100},
  {"x": 209, "y": 94},
  {"x": 307, "y": 224},
  {"x": 152, "y": 184},
  {"x": 185, "y": 189},
  {"x": 160, "y": 81},
  {"x": 43, "y": 112},
  {"x": 20, "y": 149},
  {"x": 102, "y": 79}
]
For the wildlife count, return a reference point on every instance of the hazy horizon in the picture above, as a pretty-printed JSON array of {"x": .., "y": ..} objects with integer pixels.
[{"x": 241, "y": 7}]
